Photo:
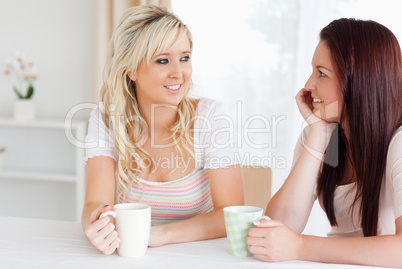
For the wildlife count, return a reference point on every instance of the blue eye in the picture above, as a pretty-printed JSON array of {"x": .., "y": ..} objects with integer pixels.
[
  {"x": 322, "y": 74},
  {"x": 162, "y": 61},
  {"x": 185, "y": 58}
]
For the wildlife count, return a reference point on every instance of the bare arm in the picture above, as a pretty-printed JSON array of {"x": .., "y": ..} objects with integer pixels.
[
  {"x": 375, "y": 250},
  {"x": 100, "y": 186},
  {"x": 99, "y": 197},
  {"x": 293, "y": 202},
  {"x": 274, "y": 241},
  {"x": 226, "y": 190}
]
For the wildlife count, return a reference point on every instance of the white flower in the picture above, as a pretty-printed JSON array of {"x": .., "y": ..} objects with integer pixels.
[{"x": 25, "y": 72}]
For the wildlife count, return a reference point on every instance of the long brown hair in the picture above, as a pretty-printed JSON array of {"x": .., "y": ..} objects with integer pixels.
[{"x": 367, "y": 60}]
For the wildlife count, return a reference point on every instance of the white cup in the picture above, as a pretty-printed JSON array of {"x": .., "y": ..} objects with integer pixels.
[{"x": 133, "y": 224}]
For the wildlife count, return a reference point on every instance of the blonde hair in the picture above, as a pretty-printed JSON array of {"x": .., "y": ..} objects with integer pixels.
[{"x": 143, "y": 31}]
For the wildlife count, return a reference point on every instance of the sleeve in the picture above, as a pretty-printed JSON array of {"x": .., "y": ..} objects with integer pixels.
[
  {"x": 216, "y": 135},
  {"x": 394, "y": 167},
  {"x": 99, "y": 141}
]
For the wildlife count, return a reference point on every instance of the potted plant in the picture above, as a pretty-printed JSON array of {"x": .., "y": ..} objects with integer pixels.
[{"x": 22, "y": 68}]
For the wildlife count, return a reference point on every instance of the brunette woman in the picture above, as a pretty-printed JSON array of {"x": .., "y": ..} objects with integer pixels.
[{"x": 349, "y": 157}]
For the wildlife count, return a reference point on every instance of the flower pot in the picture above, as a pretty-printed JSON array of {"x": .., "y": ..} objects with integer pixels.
[{"x": 24, "y": 109}]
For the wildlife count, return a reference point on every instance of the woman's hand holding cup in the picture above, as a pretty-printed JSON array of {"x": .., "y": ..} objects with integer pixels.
[
  {"x": 101, "y": 232},
  {"x": 133, "y": 223}
]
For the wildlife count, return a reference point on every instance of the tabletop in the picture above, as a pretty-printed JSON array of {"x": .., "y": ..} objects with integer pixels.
[{"x": 39, "y": 243}]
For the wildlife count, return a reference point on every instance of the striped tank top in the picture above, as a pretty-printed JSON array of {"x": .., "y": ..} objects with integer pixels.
[{"x": 172, "y": 201}]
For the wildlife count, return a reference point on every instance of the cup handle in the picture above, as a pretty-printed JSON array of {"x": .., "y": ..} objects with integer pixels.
[{"x": 108, "y": 213}]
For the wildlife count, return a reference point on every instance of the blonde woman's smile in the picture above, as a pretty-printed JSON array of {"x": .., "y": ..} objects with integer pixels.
[{"x": 173, "y": 88}]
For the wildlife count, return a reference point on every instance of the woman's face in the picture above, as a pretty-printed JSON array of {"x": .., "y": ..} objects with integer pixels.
[
  {"x": 166, "y": 78},
  {"x": 324, "y": 86}
]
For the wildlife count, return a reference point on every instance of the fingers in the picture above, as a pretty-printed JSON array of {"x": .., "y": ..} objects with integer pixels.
[
  {"x": 96, "y": 226},
  {"x": 101, "y": 209},
  {"x": 267, "y": 223},
  {"x": 257, "y": 250},
  {"x": 263, "y": 227},
  {"x": 105, "y": 239},
  {"x": 112, "y": 238},
  {"x": 109, "y": 244},
  {"x": 105, "y": 231},
  {"x": 257, "y": 232},
  {"x": 101, "y": 232},
  {"x": 256, "y": 241},
  {"x": 274, "y": 243},
  {"x": 304, "y": 102},
  {"x": 113, "y": 246}
]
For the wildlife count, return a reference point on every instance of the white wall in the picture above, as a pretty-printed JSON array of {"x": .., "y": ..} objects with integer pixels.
[{"x": 58, "y": 35}]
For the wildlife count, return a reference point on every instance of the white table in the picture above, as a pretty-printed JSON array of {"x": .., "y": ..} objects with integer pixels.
[{"x": 38, "y": 243}]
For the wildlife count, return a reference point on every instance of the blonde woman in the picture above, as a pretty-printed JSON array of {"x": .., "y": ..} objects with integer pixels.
[{"x": 153, "y": 143}]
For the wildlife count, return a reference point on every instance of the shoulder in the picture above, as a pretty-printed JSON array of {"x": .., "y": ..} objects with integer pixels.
[
  {"x": 97, "y": 118},
  {"x": 394, "y": 170},
  {"x": 395, "y": 145},
  {"x": 397, "y": 137},
  {"x": 97, "y": 111},
  {"x": 96, "y": 115},
  {"x": 207, "y": 104},
  {"x": 210, "y": 107}
]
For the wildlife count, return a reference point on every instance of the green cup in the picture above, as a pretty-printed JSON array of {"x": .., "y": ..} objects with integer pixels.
[{"x": 238, "y": 220}]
